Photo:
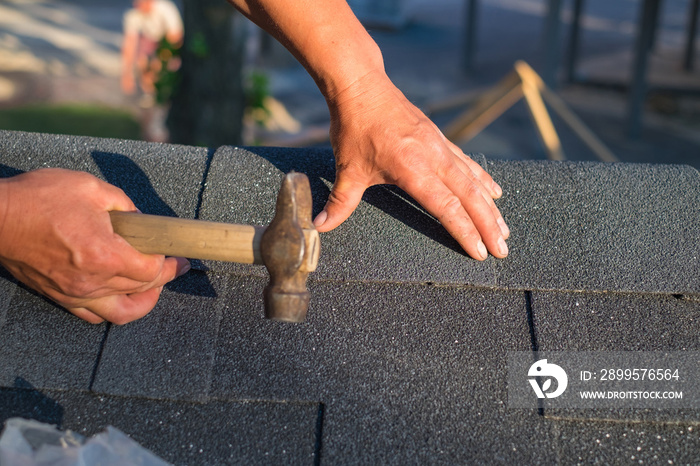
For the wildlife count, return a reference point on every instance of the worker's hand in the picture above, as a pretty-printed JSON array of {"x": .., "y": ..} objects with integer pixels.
[
  {"x": 56, "y": 237},
  {"x": 379, "y": 137}
]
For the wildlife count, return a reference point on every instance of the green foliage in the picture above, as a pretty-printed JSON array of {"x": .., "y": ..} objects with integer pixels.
[
  {"x": 168, "y": 76},
  {"x": 257, "y": 89},
  {"x": 198, "y": 45},
  {"x": 80, "y": 120}
]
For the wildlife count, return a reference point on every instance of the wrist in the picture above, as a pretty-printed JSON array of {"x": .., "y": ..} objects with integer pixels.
[
  {"x": 364, "y": 99},
  {"x": 367, "y": 90},
  {"x": 346, "y": 65},
  {"x": 332, "y": 44}
]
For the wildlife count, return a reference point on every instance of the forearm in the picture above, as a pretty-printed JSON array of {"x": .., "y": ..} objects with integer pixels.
[
  {"x": 324, "y": 35},
  {"x": 129, "y": 53}
]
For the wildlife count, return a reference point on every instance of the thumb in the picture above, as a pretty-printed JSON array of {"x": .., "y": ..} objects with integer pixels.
[{"x": 343, "y": 200}]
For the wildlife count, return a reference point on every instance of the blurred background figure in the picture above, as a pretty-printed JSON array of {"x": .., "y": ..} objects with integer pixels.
[{"x": 153, "y": 32}]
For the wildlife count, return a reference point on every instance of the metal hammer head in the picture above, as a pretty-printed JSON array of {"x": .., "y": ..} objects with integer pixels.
[{"x": 290, "y": 247}]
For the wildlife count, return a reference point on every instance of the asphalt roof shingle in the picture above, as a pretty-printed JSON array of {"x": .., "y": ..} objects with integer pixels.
[
  {"x": 620, "y": 443},
  {"x": 594, "y": 226},
  {"x": 403, "y": 357},
  {"x": 168, "y": 353},
  {"x": 134, "y": 166},
  {"x": 181, "y": 432},
  {"x": 39, "y": 344},
  {"x": 408, "y": 373}
]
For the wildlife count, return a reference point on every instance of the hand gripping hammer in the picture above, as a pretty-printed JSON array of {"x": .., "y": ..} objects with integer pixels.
[{"x": 289, "y": 247}]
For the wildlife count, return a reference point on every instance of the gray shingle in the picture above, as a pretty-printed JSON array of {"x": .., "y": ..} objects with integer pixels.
[
  {"x": 213, "y": 433},
  {"x": 161, "y": 179},
  {"x": 8, "y": 288},
  {"x": 617, "y": 322},
  {"x": 631, "y": 322},
  {"x": 403, "y": 356},
  {"x": 168, "y": 353},
  {"x": 593, "y": 226},
  {"x": 45, "y": 346},
  {"x": 406, "y": 372},
  {"x": 603, "y": 442}
]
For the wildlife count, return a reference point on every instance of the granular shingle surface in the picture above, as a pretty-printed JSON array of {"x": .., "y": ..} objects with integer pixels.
[
  {"x": 627, "y": 443},
  {"x": 131, "y": 165},
  {"x": 43, "y": 345},
  {"x": 403, "y": 357},
  {"x": 633, "y": 322},
  {"x": 406, "y": 372},
  {"x": 179, "y": 337},
  {"x": 592, "y": 226},
  {"x": 184, "y": 433},
  {"x": 8, "y": 288}
]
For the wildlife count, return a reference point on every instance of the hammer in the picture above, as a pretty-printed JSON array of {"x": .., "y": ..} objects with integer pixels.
[{"x": 289, "y": 247}]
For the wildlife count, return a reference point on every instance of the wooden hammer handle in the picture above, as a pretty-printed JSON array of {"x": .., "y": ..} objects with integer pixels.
[{"x": 194, "y": 239}]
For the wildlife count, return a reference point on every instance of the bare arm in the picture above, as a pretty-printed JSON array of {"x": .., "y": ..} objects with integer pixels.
[
  {"x": 378, "y": 136},
  {"x": 129, "y": 46}
]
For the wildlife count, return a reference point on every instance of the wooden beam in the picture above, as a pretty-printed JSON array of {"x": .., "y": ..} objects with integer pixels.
[
  {"x": 543, "y": 123},
  {"x": 560, "y": 108},
  {"x": 492, "y": 105}
]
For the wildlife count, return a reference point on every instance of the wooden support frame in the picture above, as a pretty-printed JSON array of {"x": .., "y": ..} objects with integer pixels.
[
  {"x": 524, "y": 83},
  {"x": 490, "y": 106}
]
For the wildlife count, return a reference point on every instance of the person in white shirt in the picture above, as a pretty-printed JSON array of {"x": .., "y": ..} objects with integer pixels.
[{"x": 145, "y": 26}]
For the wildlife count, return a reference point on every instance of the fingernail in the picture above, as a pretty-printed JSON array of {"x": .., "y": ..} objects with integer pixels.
[
  {"x": 502, "y": 247},
  {"x": 505, "y": 231},
  {"x": 482, "y": 249},
  {"x": 320, "y": 219},
  {"x": 184, "y": 269},
  {"x": 497, "y": 189}
]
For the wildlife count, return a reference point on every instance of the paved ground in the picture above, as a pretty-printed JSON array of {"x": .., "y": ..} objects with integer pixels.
[{"x": 69, "y": 51}]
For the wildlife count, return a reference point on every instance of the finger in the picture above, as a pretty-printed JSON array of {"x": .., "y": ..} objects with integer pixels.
[
  {"x": 480, "y": 213},
  {"x": 478, "y": 175},
  {"x": 493, "y": 188},
  {"x": 170, "y": 269},
  {"x": 342, "y": 202},
  {"x": 464, "y": 168},
  {"x": 125, "y": 285},
  {"x": 143, "y": 269},
  {"x": 173, "y": 268},
  {"x": 444, "y": 205},
  {"x": 86, "y": 315},
  {"x": 110, "y": 197},
  {"x": 119, "y": 309}
]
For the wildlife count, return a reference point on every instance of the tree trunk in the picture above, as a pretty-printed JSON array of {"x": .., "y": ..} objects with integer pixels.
[{"x": 207, "y": 107}]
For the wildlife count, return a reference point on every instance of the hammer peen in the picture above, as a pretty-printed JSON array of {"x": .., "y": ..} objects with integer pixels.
[{"x": 289, "y": 246}]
